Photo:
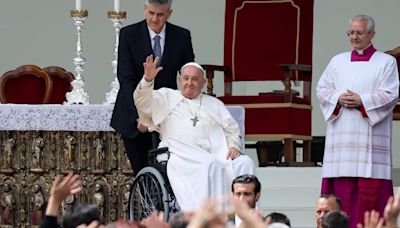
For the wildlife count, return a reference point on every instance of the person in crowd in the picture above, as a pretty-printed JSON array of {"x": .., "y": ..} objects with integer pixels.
[
  {"x": 154, "y": 35},
  {"x": 276, "y": 217},
  {"x": 325, "y": 204},
  {"x": 81, "y": 214},
  {"x": 245, "y": 188},
  {"x": 335, "y": 219},
  {"x": 277, "y": 225},
  {"x": 60, "y": 189},
  {"x": 357, "y": 93},
  {"x": 203, "y": 138},
  {"x": 180, "y": 219}
]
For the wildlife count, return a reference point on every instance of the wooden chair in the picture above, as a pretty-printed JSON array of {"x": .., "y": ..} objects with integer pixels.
[
  {"x": 61, "y": 83},
  {"x": 270, "y": 41},
  {"x": 28, "y": 84},
  {"x": 396, "y": 53}
]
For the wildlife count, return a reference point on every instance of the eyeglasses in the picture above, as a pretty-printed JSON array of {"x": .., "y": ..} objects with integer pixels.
[{"x": 357, "y": 33}]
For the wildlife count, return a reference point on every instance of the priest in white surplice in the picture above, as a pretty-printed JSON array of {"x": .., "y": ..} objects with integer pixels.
[
  {"x": 357, "y": 93},
  {"x": 202, "y": 137}
]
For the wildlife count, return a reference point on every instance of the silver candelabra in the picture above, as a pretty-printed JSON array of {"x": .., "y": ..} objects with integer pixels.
[
  {"x": 117, "y": 18},
  {"x": 78, "y": 94}
]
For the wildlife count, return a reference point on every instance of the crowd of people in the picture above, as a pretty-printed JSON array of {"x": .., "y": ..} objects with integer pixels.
[{"x": 237, "y": 210}]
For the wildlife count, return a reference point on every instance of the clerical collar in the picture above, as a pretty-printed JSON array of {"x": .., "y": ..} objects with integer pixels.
[
  {"x": 196, "y": 99},
  {"x": 362, "y": 55}
]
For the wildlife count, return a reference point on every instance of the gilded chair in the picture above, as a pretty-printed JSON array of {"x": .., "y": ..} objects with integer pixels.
[
  {"x": 61, "y": 83},
  {"x": 396, "y": 53},
  {"x": 270, "y": 41},
  {"x": 27, "y": 84}
]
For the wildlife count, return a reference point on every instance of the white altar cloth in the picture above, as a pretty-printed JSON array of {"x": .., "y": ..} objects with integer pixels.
[
  {"x": 22, "y": 117},
  {"x": 16, "y": 117}
]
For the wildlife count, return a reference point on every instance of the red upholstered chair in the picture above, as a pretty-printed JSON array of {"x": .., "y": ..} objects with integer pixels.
[
  {"x": 28, "y": 84},
  {"x": 61, "y": 83},
  {"x": 396, "y": 53},
  {"x": 270, "y": 41}
]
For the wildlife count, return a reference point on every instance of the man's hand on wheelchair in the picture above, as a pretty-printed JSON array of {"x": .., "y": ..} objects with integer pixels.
[
  {"x": 232, "y": 154},
  {"x": 141, "y": 127}
]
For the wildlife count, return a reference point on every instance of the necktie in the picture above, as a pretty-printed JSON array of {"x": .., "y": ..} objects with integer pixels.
[{"x": 157, "y": 48}]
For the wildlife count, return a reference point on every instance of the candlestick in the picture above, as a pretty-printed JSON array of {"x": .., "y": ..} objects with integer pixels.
[
  {"x": 78, "y": 95},
  {"x": 117, "y": 18}
]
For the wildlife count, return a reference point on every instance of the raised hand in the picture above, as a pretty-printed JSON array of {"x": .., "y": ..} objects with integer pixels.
[
  {"x": 371, "y": 220},
  {"x": 392, "y": 210},
  {"x": 155, "y": 220},
  {"x": 150, "y": 68},
  {"x": 71, "y": 184},
  {"x": 61, "y": 188},
  {"x": 207, "y": 216},
  {"x": 250, "y": 217}
]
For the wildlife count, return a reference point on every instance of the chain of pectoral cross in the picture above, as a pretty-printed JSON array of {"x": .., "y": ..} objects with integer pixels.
[{"x": 195, "y": 119}]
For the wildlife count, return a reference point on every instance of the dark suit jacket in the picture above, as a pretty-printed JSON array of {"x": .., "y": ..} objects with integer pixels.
[{"x": 134, "y": 47}]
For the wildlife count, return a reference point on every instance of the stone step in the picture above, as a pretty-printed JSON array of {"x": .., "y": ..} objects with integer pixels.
[
  {"x": 297, "y": 197},
  {"x": 291, "y": 191},
  {"x": 289, "y": 176}
]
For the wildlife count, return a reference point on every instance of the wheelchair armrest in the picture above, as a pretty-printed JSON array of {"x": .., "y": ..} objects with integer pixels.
[{"x": 157, "y": 151}]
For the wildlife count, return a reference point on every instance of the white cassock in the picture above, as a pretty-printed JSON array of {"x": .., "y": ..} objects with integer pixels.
[
  {"x": 357, "y": 146},
  {"x": 197, "y": 168}
]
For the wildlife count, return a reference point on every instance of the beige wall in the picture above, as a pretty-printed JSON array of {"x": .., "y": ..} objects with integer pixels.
[{"x": 41, "y": 32}]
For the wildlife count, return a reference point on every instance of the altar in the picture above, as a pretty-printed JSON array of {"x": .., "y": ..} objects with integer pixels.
[{"x": 39, "y": 142}]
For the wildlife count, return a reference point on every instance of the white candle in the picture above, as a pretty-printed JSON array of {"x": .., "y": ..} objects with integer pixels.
[
  {"x": 78, "y": 5},
  {"x": 116, "y": 5}
]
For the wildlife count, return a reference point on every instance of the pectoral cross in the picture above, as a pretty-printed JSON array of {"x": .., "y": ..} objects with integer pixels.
[{"x": 195, "y": 120}]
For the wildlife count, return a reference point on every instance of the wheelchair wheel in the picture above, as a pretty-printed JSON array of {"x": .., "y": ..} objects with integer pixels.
[{"x": 148, "y": 194}]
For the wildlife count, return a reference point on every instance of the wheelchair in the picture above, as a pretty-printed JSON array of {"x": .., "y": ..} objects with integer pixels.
[{"x": 151, "y": 190}]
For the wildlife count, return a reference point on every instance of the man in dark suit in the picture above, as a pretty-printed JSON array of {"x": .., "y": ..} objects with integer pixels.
[{"x": 152, "y": 36}]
